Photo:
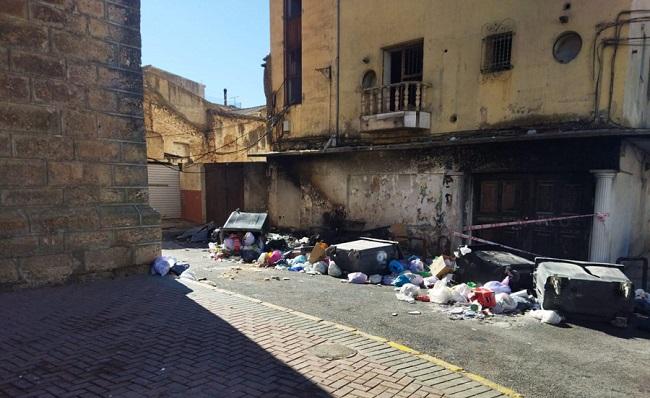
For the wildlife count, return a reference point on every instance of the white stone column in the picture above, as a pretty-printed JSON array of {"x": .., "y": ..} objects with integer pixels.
[{"x": 600, "y": 239}]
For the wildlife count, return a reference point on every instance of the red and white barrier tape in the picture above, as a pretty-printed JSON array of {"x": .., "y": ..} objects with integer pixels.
[
  {"x": 600, "y": 216},
  {"x": 489, "y": 242}
]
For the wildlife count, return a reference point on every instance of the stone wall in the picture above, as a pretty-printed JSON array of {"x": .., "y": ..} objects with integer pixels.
[{"x": 73, "y": 176}]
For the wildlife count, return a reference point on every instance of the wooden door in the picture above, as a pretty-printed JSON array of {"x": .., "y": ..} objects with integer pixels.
[
  {"x": 224, "y": 190},
  {"x": 512, "y": 197}
]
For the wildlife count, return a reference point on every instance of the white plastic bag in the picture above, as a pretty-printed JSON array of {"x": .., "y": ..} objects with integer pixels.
[
  {"x": 407, "y": 292},
  {"x": 546, "y": 316},
  {"x": 334, "y": 270},
  {"x": 505, "y": 302},
  {"x": 460, "y": 293},
  {"x": 357, "y": 277},
  {"x": 320, "y": 267},
  {"x": 162, "y": 264},
  {"x": 498, "y": 287},
  {"x": 374, "y": 279},
  {"x": 430, "y": 281},
  {"x": 440, "y": 294}
]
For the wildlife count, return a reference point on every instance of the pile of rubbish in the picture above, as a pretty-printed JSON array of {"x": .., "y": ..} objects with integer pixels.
[{"x": 164, "y": 265}]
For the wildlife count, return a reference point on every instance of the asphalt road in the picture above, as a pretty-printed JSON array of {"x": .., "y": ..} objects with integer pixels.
[{"x": 537, "y": 360}]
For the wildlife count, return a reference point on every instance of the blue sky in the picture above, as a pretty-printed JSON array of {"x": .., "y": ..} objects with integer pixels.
[{"x": 219, "y": 43}]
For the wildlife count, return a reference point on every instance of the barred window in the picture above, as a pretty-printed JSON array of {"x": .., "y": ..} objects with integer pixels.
[{"x": 497, "y": 52}]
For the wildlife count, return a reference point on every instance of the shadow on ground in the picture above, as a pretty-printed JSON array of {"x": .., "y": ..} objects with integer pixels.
[{"x": 140, "y": 336}]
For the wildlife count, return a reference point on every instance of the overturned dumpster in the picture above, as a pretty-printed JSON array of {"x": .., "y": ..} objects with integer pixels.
[{"x": 576, "y": 288}]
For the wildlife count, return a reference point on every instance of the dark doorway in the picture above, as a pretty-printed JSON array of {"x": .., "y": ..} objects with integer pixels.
[
  {"x": 224, "y": 190},
  {"x": 512, "y": 197}
]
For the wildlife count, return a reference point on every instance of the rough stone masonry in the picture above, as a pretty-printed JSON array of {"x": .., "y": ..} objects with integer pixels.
[{"x": 73, "y": 175}]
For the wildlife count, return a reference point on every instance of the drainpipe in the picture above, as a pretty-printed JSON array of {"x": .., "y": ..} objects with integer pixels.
[{"x": 335, "y": 138}]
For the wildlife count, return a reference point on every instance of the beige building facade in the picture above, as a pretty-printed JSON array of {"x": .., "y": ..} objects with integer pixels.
[
  {"x": 437, "y": 115},
  {"x": 190, "y": 144}
]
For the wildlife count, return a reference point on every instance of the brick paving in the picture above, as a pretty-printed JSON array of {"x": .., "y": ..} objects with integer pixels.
[{"x": 149, "y": 336}]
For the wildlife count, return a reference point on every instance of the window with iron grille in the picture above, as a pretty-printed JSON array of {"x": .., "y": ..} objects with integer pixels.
[
  {"x": 497, "y": 52},
  {"x": 292, "y": 52}
]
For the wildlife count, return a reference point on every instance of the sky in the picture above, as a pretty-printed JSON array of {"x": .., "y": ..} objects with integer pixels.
[{"x": 220, "y": 43}]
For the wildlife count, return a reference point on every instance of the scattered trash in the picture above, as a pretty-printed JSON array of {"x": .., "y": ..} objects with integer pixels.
[
  {"x": 162, "y": 265},
  {"x": 321, "y": 267},
  {"x": 441, "y": 267},
  {"x": 395, "y": 267},
  {"x": 441, "y": 293},
  {"x": 394, "y": 314},
  {"x": 408, "y": 292},
  {"x": 375, "y": 279},
  {"x": 334, "y": 270},
  {"x": 357, "y": 277},
  {"x": 546, "y": 316},
  {"x": 179, "y": 268},
  {"x": 414, "y": 313}
]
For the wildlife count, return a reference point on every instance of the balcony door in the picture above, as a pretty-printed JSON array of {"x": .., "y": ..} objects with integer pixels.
[{"x": 403, "y": 64}]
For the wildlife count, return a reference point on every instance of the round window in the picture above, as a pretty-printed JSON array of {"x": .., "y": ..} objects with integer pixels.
[
  {"x": 566, "y": 47},
  {"x": 369, "y": 79}
]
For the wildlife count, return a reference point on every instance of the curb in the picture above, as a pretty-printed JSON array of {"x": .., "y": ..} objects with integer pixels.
[{"x": 426, "y": 357}]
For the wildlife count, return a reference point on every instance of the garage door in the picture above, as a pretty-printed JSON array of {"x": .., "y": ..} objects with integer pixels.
[
  {"x": 165, "y": 190},
  {"x": 512, "y": 197}
]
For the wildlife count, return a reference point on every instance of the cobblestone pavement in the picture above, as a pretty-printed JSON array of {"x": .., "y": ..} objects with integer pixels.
[{"x": 150, "y": 336}]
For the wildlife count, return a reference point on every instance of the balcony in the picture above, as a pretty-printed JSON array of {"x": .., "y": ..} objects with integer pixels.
[{"x": 395, "y": 106}]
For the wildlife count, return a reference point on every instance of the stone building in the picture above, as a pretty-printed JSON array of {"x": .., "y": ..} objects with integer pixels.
[
  {"x": 199, "y": 168},
  {"x": 73, "y": 172},
  {"x": 438, "y": 115}
]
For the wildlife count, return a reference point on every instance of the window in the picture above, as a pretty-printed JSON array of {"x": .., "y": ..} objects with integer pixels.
[
  {"x": 406, "y": 63},
  {"x": 566, "y": 47},
  {"x": 292, "y": 52},
  {"x": 497, "y": 52},
  {"x": 369, "y": 79}
]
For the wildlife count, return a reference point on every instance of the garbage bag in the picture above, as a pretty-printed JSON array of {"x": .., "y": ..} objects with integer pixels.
[
  {"x": 162, "y": 265},
  {"x": 408, "y": 292},
  {"x": 401, "y": 280},
  {"x": 430, "y": 281},
  {"x": 388, "y": 279},
  {"x": 546, "y": 316},
  {"x": 249, "y": 239},
  {"x": 320, "y": 267},
  {"x": 395, "y": 267},
  {"x": 296, "y": 268},
  {"x": 415, "y": 279},
  {"x": 504, "y": 304},
  {"x": 416, "y": 265},
  {"x": 334, "y": 270},
  {"x": 275, "y": 257},
  {"x": 178, "y": 269},
  {"x": 498, "y": 287},
  {"x": 261, "y": 260},
  {"x": 460, "y": 293},
  {"x": 374, "y": 279},
  {"x": 441, "y": 293},
  {"x": 357, "y": 277},
  {"x": 298, "y": 260},
  {"x": 249, "y": 255}
]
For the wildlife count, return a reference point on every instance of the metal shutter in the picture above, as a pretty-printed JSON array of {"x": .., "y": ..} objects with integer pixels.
[{"x": 165, "y": 190}]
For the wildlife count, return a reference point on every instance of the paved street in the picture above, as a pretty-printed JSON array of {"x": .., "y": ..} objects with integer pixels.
[
  {"x": 154, "y": 336},
  {"x": 537, "y": 360}
]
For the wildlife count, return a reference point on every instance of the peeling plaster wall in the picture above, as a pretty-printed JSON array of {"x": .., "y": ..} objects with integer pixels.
[{"x": 380, "y": 189}]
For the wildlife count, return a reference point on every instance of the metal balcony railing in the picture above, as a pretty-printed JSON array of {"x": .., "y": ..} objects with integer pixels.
[{"x": 404, "y": 96}]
